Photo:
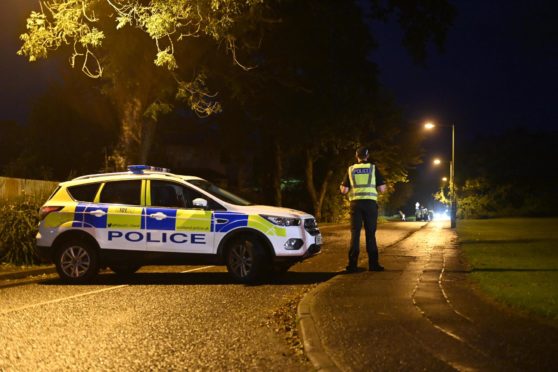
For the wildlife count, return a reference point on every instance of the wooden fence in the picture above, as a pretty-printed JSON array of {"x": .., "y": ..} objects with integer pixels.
[{"x": 11, "y": 188}]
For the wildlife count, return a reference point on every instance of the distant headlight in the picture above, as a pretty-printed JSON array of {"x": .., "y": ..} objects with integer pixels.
[{"x": 282, "y": 221}]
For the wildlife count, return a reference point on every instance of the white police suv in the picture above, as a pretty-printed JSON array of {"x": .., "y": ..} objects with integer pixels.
[{"x": 149, "y": 216}]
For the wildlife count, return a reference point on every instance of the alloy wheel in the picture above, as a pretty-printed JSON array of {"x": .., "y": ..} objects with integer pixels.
[
  {"x": 242, "y": 259},
  {"x": 75, "y": 261}
]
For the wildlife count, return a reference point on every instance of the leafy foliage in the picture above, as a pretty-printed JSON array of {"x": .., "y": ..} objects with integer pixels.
[
  {"x": 306, "y": 95},
  {"x": 508, "y": 175},
  {"x": 18, "y": 228},
  {"x": 72, "y": 22},
  {"x": 70, "y": 132},
  {"x": 112, "y": 40}
]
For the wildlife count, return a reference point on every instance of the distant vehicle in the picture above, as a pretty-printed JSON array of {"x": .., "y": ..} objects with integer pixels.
[
  {"x": 149, "y": 216},
  {"x": 423, "y": 214}
]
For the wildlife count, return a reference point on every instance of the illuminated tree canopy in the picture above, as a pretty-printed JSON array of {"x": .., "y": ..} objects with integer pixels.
[
  {"x": 77, "y": 23},
  {"x": 84, "y": 29}
]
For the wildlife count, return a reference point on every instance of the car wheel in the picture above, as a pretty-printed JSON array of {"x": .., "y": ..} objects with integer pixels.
[
  {"x": 77, "y": 261},
  {"x": 246, "y": 259},
  {"x": 124, "y": 270}
]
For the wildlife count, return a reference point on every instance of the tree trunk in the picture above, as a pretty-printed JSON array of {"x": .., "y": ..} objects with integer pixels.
[
  {"x": 316, "y": 197},
  {"x": 128, "y": 149},
  {"x": 148, "y": 134},
  {"x": 277, "y": 173}
]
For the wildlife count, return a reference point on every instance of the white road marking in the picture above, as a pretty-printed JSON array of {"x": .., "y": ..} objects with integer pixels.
[{"x": 83, "y": 294}]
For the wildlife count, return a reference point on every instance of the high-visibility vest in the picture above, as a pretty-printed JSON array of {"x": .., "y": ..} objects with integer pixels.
[{"x": 363, "y": 182}]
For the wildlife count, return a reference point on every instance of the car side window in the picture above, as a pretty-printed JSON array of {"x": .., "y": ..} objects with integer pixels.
[
  {"x": 84, "y": 193},
  {"x": 172, "y": 195},
  {"x": 122, "y": 192},
  {"x": 167, "y": 194}
]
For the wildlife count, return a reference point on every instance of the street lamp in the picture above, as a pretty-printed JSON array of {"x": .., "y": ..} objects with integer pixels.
[
  {"x": 430, "y": 126},
  {"x": 445, "y": 179}
]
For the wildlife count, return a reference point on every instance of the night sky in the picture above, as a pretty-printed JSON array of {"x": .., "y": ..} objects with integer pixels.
[{"x": 499, "y": 70}]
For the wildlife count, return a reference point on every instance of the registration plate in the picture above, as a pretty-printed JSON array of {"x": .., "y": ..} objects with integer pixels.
[{"x": 319, "y": 239}]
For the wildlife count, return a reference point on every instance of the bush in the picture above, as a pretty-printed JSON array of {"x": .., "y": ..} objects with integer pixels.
[{"x": 18, "y": 228}]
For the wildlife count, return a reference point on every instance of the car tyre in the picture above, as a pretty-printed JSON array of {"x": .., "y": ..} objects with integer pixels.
[
  {"x": 77, "y": 261},
  {"x": 246, "y": 259},
  {"x": 124, "y": 269}
]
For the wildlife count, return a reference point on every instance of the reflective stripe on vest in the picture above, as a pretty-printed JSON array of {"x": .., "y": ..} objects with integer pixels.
[{"x": 363, "y": 182}]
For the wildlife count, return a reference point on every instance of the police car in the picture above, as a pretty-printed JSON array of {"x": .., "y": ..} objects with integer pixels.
[{"x": 149, "y": 216}]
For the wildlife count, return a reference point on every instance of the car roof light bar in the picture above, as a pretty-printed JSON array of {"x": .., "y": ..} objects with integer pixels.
[{"x": 139, "y": 169}]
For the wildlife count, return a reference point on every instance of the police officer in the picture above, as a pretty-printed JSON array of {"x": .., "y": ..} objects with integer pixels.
[{"x": 362, "y": 182}]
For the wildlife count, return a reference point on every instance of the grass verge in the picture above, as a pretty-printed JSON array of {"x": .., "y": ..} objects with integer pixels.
[{"x": 515, "y": 261}]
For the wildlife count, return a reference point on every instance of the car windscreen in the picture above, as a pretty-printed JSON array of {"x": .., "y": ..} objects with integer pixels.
[{"x": 219, "y": 192}]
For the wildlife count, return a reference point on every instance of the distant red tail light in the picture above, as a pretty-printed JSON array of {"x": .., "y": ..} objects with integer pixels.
[{"x": 45, "y": 211}]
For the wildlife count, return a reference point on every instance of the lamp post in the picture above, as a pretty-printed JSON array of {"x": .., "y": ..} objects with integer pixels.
[{"x": 453, "y": 212}]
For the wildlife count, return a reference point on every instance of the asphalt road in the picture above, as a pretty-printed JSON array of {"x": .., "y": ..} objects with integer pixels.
[{"x": 192, "y": 318}]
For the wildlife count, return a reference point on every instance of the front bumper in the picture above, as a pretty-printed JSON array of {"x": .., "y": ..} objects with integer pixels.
[{"x": 313, "y": 250}]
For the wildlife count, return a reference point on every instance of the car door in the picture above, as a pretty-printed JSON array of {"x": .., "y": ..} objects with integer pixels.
[
  {"x": 172, "y": 222},
  {"x": 117, "y": 216}
]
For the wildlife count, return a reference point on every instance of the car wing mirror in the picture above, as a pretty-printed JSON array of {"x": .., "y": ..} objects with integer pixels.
[{"x": 199, "y": 203}]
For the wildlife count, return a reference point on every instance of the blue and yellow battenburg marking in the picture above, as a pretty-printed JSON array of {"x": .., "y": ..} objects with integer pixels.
[
  {"x": 227, "y": 221},
  {"x": 62, "y": 217},
  {"x": 165, "y": 219}
]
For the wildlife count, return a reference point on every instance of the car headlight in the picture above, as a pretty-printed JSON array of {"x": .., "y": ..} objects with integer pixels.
[{"x": 282, "y": 221}]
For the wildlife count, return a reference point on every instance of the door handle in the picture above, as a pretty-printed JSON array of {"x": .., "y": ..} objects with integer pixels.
[
  {"x": 221, "y": 220},
  {"x": 98, "y": 213},
  {"x": 158, "y": 216}
]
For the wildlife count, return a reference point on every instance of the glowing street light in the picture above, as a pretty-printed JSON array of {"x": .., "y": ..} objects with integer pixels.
[
  {"x": 430, "y": 126},
  {"x": 437, "y": 161},
  {"x": 445, "y": 179}
]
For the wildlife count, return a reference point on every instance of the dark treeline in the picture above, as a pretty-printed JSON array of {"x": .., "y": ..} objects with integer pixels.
[
  {"x": 513, "y": 174},
  {"x": 288, "y": 127}
]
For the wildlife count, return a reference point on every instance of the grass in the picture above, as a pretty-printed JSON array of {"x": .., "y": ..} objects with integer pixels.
[{"x": 515, "y": 261}]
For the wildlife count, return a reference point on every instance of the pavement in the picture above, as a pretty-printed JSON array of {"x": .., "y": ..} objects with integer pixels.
[{"x": 420, "y": 314}]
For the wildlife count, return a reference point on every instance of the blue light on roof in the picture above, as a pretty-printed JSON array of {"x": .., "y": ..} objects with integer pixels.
[{"x": 139, "y": 169}]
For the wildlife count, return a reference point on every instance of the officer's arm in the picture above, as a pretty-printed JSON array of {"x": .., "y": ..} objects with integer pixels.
[
  {"x": 344, "y": 187},
  {"x": 380, "y": 182}
]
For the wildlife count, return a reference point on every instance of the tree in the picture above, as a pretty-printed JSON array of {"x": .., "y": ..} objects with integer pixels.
[
  {"x": 315, "y": 95},
  {"x": 113, "y": 40},
  {"x": 69, "y": 132},
  {"x": 11, "y": 139},
  {"x": 509, "y": 175}
]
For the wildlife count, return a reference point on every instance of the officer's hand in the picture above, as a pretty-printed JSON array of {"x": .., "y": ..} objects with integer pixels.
[{"x": 343, "y": 189}]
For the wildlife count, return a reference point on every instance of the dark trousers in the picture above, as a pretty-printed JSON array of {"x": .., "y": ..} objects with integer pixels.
[{"x": 363, "y": 211}]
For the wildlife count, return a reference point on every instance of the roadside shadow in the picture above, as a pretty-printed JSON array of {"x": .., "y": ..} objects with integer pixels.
[{"x": 197, "y": 278}]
